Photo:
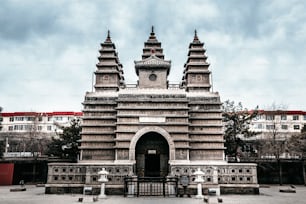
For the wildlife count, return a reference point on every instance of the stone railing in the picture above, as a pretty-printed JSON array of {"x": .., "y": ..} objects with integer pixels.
[
  {"x": 170, "y": 86},
  {"x": 220, "y": 174},
  {"x": 86, "y": 173},
  {"x": 73, "y": 177}
]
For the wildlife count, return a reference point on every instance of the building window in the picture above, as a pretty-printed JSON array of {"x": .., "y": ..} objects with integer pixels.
[
  {"x": 49, "y": 127},
  {"x": 259, "y": 126},
  {"x": 152, "y": 77},
  {"x": 261, "y": 117},
  {"x": 28, "y": 127},
  {"x": 11, "y": 119},
  {"x": 59, "y": 118},
  {"x": 49, "y": 118},
  {"x": 18, "y": 127},
  {"x": 19, "y": 118},
  {"x": 296, "y": 127},
  {"x": 283, "y": 117},
  {"x": 269, "y": 117},
  {"x": 40, "y": 118},
  {"x": 30, "y": 118},
  {"x": 11, "y": 128},
  {"x": 295, "y": 117},
  {"x": 270, "y": 127},
  {"x": 39, "y": 128},
  {"x": 284, "y": 127},
  {"x": 304, "y": 117}
]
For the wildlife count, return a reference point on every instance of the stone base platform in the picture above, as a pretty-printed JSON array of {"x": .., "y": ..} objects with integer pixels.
[{"x": 231, "y": 178}]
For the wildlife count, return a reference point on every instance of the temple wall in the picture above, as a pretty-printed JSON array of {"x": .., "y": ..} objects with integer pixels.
[{"x": 65, "y": 175}]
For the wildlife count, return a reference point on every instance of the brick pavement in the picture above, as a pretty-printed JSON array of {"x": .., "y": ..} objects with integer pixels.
[{"x": 35, "y": 195}]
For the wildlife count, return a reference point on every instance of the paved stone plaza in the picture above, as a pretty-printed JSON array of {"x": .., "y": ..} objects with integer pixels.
[{"x": 36, "y": 195}]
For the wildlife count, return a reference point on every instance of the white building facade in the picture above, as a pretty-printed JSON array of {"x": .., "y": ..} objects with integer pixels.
[
  {"x": 283, "y": 122},
  {"x": 44, "y": 122},
  {"x": 20, "y": 130}
]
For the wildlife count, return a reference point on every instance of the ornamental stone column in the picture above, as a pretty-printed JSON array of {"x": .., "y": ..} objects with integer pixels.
[
  {"x": 103, "y": 179},
  {"x": 199, "y": 180}
]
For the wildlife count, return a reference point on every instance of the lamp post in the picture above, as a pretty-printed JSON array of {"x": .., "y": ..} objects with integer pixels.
[
  {"x": 103, "y": 179},
  {"x": 199, "y": 179}
]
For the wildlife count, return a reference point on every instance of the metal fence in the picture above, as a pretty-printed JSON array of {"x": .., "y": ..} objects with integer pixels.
[{"x": 150, "y": 186}]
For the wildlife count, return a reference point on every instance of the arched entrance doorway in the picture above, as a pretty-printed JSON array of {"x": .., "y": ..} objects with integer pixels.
[{"x": 152, "y": 155}]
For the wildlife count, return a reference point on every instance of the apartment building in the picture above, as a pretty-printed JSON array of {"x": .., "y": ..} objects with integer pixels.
[
  {"x": 45, "y": 122},
  {"x": 24, "y": 132},
  {"x": 283, "y": 122}
]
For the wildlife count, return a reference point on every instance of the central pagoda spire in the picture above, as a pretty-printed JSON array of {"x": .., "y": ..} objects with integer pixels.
[
  {"x": 152, "y": 30},
  {"x": 152, "y": 70},
  {"x": 152, "y": 46}
]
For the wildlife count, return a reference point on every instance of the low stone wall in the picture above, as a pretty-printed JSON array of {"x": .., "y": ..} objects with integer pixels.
[
  {"x": 232, "y": 173},
  {"x": 239, "y": 189},
  {"x": 73, "y": 177},
  {"x": 77, "y": 173},
  {"x": 79, "y": 189}
]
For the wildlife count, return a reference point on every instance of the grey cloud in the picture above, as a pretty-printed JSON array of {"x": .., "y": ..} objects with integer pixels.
[
  {"x": 20, "y": 20},
  {"x": 54, "y": 45}
]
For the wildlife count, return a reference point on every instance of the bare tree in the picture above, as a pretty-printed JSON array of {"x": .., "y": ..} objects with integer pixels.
[
  {"x": 297, "y": 145},
  {"x": 273, "y": 143},
  {"x": 0, "y": 118},
  {"x": 2, "y": 145},
  {"x": 35, "y": 141}
]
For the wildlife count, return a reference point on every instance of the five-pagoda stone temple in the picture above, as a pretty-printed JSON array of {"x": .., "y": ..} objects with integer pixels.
[{"x": 152, "y": 128}]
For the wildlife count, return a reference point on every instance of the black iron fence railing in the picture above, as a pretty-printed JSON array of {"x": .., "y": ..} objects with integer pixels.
[{"x": 150, "y": 186}]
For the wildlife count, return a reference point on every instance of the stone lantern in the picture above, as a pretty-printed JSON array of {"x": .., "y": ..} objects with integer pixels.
[
  {"x": 199, "y": 180},
  {"x": 103, "y": 179}
]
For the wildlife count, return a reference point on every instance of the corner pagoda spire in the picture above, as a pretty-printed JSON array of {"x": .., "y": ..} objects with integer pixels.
[
  {"x": 109, "y": 73},
  {"x": 196, "y": 74}
]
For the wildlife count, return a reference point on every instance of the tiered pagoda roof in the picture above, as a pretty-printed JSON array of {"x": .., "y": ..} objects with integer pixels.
[
  {"x": 108, "y": 65},
  {"x": 196, "y": 73},
  {"x": 152, "y": 46}
]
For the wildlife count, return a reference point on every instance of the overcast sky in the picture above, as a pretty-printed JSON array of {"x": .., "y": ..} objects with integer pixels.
[{"x": 49, "y": 49}]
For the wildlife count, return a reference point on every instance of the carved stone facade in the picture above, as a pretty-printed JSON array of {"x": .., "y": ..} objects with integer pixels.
[{"x": 152, "y": 128}]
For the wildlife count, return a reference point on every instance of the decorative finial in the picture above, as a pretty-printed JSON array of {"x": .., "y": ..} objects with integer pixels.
[
  {"x": 195, "y": 36},
  {"x": 152, "y": 30},
  {"x": 108, "y": 38}
]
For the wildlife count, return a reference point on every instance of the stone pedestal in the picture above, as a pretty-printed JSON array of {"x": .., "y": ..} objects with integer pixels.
[
  {"x": 103, "y": 179},
  {"x": 199, "y": 180}
]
